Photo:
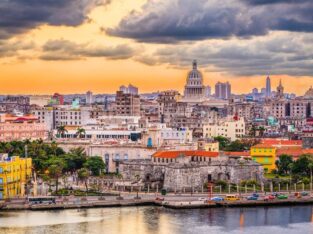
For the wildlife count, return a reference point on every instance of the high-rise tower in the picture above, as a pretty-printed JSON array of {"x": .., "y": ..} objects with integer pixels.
[{"x": 268, "y": 87}]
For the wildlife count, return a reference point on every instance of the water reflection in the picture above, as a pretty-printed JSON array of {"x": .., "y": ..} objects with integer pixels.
[{"x": 158, "y": 220}]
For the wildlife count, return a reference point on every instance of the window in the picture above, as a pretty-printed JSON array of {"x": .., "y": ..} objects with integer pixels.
[
  {"x": 1, "y": 170},
  {"x": 1, "y": 181}
]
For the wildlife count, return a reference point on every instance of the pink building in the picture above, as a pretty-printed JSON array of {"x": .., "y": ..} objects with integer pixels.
[{"x": 21, "y": 128}]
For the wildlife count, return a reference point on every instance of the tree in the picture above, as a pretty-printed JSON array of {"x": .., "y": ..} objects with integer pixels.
[
  {"x": 261, "y": 130},
  {"x": 55, "y": 170},
  {"x": 236, "y": 146},
  {"x": 301, "y": 166},
  {"x": 223, "y": 141},
  {"x": 83, "y": 175},
  {"x": 95, "y": 164},
  {"x": 253, "y": 131},
  {"x": 283, "y": 163},
  {"x": 80, "y": 132},
  {"x": 61, "y": 130}
]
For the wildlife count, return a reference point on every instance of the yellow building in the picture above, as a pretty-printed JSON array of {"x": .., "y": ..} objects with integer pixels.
[
  {"x": 14, "y": 174},
  {"x": 265, "y": 155}
]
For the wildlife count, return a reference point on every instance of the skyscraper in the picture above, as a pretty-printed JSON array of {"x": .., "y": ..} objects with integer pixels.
[
  {"x": 89, "y": 98},
  {"x": 222, "y": 90},
  {"x": 268, "y": 87}
]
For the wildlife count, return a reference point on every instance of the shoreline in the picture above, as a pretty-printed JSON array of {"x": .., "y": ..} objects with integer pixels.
[{"x": 166, "y": 204}]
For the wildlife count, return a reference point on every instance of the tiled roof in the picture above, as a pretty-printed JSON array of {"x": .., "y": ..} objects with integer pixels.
[
  {"x": 239, "y": 154},
  {"x": 190, "y": 153},
  {"x": 281, "y": 142},
  {"x": 263, "y": 146},
  {"x": 294, "y": 151}
]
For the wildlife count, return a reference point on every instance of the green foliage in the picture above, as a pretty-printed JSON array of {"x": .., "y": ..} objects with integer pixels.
[
  {"x": 302, "y": 166},
  {"x": 283, "y": 164},
  {"x": 95, "y": 165},
  {"x": 222, "y": 183},
  {"x": 223, "y": 141}
]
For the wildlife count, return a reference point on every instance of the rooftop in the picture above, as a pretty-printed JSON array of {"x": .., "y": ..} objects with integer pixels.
[{"x": 189, "y": 153}]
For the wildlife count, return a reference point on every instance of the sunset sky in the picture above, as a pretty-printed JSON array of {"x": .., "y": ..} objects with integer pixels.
[{"x": 72, "y": 46}]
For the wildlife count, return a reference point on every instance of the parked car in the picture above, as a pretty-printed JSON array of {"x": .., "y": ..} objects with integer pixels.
[
  {"x": 268, "y": 198},
  {"x": 217, "y": 199},
  {"x": 255, "y": 195},
  {"x": 202, "y": 199},
  {"x": 232, "y": 197},
  {"x": 252, "y": 198},
  {"x": 282, "y": 196},
  {"x": 159, "y": 199},
  {"x": 304, "y": 194}
]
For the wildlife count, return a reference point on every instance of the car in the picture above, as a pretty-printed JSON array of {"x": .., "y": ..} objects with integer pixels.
[
  {"x": 268, "y": 198},
  {"x": 159, "y": 199},
  {"x": 255, "y": 195},
  {"x": 282, "y": 196},
  {"x": 304, "y": 194},
  {"x": 202, "y": 199},
  {"x": 252, "y": 198},
  {"x": 217, "y": 199}
]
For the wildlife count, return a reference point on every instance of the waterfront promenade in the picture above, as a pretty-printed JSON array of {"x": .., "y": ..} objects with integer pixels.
[{"x": 174, "y": 201}]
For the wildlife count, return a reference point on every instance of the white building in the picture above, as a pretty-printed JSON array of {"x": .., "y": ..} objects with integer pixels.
[
  {"x": 89, "y": 98},
  {"x": 53, "y": 117},
  {"x": 160, "y": 136},
  {"x": 230, "y": 128}
]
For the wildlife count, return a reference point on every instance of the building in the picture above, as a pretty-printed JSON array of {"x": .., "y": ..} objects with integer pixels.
[
  {"x": 264, "y": 154},
  {"x": 168, "y": 105},
  {"x": 223, "y": 90},
  {"x": 127, "y": 104},
  {"x": 280, "y": 91},
  {"x": 231, "y": 128},
  {"x": 268, "y": 87},
  {"x": 194, "y": 88},
  {"x": 89, "y": 98},
  {"x": 208, "y": 145},
  {"x": 15, "y": 173},
  {"x": 56, "y": 116},
  {"x": 130, "y": 89},
  {"x": 207, "y": 91},
  {"x": 187, "y": 170},
  {"x": 57, "y": 99},
  {"x": 12, "y": 104},
  {"x": 21, "y": 128}
]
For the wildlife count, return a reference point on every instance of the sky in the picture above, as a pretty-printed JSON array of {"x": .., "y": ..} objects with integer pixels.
[{"x": 72, "y": 46}]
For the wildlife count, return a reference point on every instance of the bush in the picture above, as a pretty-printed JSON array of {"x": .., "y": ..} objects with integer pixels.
[{"x": 221, "y": 183}]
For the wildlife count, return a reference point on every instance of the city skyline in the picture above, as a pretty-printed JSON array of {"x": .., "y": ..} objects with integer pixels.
[{"x": 85, "y": 50}]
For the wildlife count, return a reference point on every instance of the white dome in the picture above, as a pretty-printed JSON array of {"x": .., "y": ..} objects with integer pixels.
[{"x": 194, "y": 77}]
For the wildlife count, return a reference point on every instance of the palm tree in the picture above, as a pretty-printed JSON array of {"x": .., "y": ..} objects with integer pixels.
[
  {"x": 80, "y": 132},
  {"x": 83, "y": 175},
  {"x": 61, "y": 130}
]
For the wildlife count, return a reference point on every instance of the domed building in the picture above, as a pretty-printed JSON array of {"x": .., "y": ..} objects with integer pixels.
[{"x": 194, "y": 88}]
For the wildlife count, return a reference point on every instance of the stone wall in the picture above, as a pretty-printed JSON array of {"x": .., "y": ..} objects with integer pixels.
[{"x": 193, "y": 175}]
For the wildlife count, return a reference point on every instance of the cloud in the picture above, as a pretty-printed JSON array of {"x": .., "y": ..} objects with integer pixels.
[
  {"x": 19, "y": 16},
  {"x": 168, "y": 21},
  {"x": 12, "y": 48},
  {"x": 68, "y": 50},
  {"x": 279, "y": 53}
]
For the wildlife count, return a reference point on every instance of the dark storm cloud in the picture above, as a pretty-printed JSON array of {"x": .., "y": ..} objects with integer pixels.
[
  {"x": 179, "y": 20},
  {"x": 18, "y": 16},
  {"x": 67, "y": 50},
  {"x": 280, "y": 54}
]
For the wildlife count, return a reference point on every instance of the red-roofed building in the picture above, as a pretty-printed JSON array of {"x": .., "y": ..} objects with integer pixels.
[
  {"x": 282, "y": 142},
  {"x": 21, "y": 127},
  {"x": 295, "y": 152}
]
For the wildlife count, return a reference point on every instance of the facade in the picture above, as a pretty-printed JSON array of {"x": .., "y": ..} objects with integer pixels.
[
  {"x": 231, "y": 128},
  {"x": 89, "y": 98},
  {"x": 222, "y": 90},
  {"x": 15, "y": 172},
  {"x": 57, "y": 99},
  {"x": 129, "y": 89},
  {"x": 265, "y": 155},
  {"x": 194, "y": 88},
  {"x": 168, "y": 105},
  {"x": 56, "y": 116},
  {"x": 12, "y": 104},
  {"x": 180, "y": 171},
  {"x": 268, "y": 87},
  {"x": 127, "y": 104},
  {"x": 21, "y": 128}
]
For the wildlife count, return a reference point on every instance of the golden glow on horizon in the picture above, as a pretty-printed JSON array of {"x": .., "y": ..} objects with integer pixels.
[{"x": 34, "y": 76}]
